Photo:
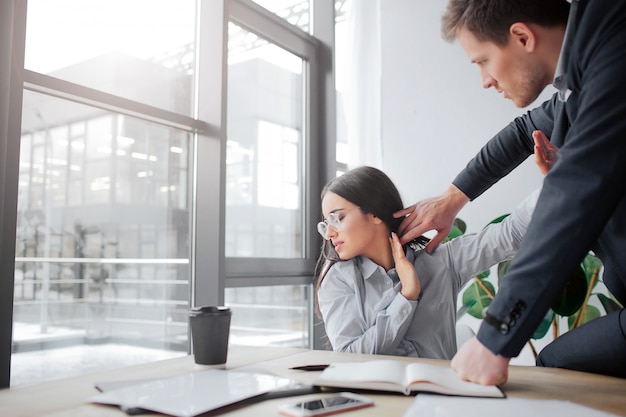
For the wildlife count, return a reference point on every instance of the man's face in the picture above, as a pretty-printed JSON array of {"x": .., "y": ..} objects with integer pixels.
[{"x": 511, "y": 69}]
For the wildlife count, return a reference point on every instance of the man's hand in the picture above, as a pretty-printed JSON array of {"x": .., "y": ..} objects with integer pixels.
[
  {"x": 475, "y": 363},
  {"x": 545, "y": 152},
  {"x": 411, "y": 286},
  {"x": 435, "y": 213}
]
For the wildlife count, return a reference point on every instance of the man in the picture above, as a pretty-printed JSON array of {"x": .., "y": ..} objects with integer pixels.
[{"x": 520, "y": 47}]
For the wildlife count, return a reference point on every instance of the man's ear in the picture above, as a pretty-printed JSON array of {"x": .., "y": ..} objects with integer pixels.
[{"x": 523, "y": 36}]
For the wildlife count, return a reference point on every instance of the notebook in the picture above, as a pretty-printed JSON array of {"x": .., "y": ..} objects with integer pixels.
[{"x": 195, "y": 393}]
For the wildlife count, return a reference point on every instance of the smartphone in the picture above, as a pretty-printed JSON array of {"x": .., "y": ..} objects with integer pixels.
[{"x": 343, "y": 401}]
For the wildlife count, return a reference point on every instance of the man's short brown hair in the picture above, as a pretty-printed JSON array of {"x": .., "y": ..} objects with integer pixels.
[{"x": 490, "y": 20}]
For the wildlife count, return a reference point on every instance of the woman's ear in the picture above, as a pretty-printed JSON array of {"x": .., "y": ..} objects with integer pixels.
[{"x": 374, "y": 219}]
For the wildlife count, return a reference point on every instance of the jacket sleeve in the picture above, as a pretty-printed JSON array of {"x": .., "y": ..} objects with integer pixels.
[
  {"x": 348, "y": 329},
  {"x": 581, "y": 193},
  {"x": 505, "y": 151}
]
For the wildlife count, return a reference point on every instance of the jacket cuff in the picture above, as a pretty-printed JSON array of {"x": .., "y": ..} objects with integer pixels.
[{"x": 496, "y": 334}]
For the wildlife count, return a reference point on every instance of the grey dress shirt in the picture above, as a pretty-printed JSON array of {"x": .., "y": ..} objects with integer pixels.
[{"x": 364, "y": 311}]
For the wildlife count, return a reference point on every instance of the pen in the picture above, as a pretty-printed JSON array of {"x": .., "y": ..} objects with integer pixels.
[{"x": 310, "y": 367}]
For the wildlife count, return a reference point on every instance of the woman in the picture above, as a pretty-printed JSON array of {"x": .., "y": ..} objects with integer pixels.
[{"x": 376, "y": 296}]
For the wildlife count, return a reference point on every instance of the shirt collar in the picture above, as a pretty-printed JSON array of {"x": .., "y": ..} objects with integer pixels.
[
  {"x": 560, "y": 75},
  {"x": 368, "y": 267}
]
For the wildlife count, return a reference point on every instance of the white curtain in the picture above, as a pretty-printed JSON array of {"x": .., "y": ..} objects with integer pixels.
[{"x": 362, "y": 84}]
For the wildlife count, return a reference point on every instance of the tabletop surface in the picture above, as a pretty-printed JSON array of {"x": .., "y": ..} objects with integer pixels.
[{"x": 67, "y": 397}]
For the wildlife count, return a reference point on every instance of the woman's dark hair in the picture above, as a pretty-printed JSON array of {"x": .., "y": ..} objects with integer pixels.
[
  {"x": 370, "y": 189},
  {"x": 490, "y": 20}
]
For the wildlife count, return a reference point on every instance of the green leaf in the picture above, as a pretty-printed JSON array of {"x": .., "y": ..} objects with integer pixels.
[
  {"x": 573, "y": 295},
  {"x": 454, "y": 232},
  {"x": 502, "y": 268},
  {"x": 484, "y": 274},
  {"x": 481, "y": 299},
  {"x": 464, "y": 308},
  {"x": 544, "y": 326},
  {"x": 458, "y": 228},
  {"x": 460, "y": 224},
  {"x": 609, "y": 304},
  {"x": 590, "y": 264},
  {"x": 498, "y": 219},
  {"x": 591, "y": 313}
]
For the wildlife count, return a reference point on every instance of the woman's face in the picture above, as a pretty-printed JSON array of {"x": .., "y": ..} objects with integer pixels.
[{"x": 355, "y": 232}]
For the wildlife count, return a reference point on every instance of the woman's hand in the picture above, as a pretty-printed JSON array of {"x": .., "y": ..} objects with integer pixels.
[{"x": 411, "y": 287}]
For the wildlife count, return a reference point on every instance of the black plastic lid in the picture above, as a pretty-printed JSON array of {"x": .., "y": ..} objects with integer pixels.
[{"x": 208, "y": 310}]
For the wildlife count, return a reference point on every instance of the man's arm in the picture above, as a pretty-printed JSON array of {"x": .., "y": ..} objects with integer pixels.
[
  {"x": 505, "y": 151},
  {"x": 493, "y": 369},
  {"x": 509, "y": 148},
  {"x": 578, "y": 201}
]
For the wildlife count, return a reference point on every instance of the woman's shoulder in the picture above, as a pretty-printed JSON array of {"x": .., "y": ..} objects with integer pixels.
[
  {"x": 342, "y": 268},
  {"x": 352, "y": 269},
  {"x": 340, "y": 275}
]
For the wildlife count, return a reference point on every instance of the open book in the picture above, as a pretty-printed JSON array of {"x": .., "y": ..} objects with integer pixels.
[{"x": 404, "y": 377}]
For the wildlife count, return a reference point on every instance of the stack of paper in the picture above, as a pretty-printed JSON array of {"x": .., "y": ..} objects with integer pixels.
[{"x": 442, "y": 406}]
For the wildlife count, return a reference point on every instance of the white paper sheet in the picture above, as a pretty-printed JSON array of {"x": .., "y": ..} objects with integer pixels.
[
  {"x": 443, "y": 406},
  {"x": 194, "y": 393}
]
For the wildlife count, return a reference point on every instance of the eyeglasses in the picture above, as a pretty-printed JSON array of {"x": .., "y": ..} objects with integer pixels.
[{"x": 334, "y": 220}]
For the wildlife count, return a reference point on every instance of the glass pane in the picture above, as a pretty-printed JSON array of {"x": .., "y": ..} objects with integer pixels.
[
  {"x": 102, "y": 250},
  {"x": 295, "y": 12},
  {"x": 270, "y": 315},
  {"x": 122, "y": 47},
  {"x": 264, "y": 215}
]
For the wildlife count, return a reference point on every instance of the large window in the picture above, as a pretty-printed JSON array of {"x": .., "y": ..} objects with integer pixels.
[
  {"x": 102, "y": 240},
  {"x": 146, "y": 185},
  {"x": 268, "y": 204},
  {"x": 122, "y": 47},
  {"x": 264, "y": 162}
]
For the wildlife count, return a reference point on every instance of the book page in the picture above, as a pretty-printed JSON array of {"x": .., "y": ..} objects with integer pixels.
[
  {"x": 389, "y": 371},
  {"x": 393, "y": 375},
  {"x": 448, "y": 381}
]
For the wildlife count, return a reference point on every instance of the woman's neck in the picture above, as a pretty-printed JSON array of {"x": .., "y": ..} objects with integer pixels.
[{"x": 380, "y": 253}]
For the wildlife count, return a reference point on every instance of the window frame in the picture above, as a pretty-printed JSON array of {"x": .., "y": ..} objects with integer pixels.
[
  {"x": 208, "y": 263},
  {"x": 271, "y": 271}
]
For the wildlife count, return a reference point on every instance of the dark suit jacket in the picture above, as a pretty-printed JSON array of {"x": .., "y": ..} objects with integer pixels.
[{"x": 582, "y": 205}]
